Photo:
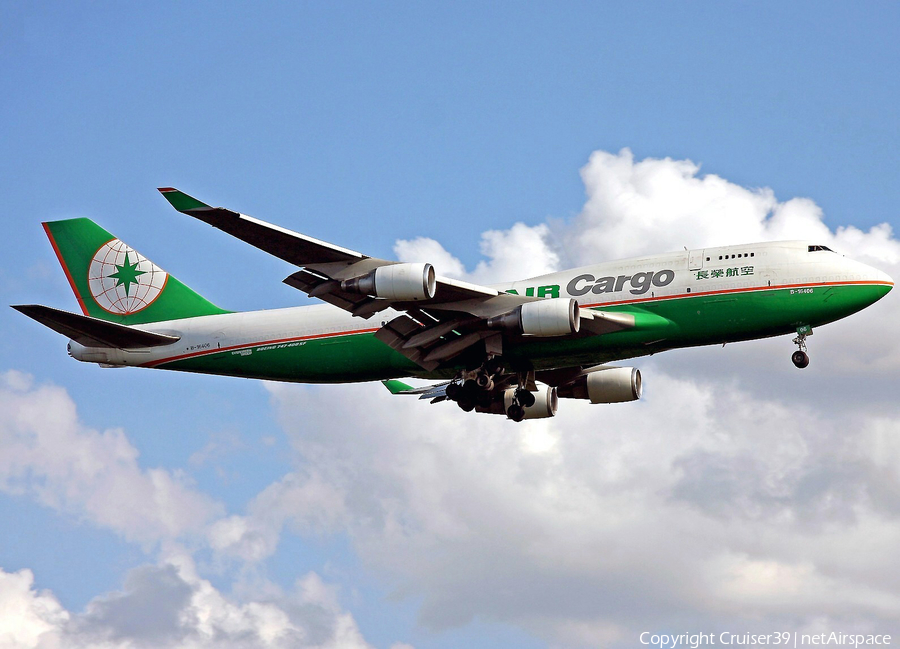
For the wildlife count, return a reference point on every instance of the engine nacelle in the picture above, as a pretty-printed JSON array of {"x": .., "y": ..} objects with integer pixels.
[
  {"x": 545, "y": 404},
  {"x": 558, "y": 316},
  {"x": 607, "y": 385},
  {"x": 395, "y": 282}
]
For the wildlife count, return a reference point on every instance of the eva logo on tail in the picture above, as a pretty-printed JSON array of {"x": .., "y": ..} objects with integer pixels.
[{"x": 122, "y": 281}]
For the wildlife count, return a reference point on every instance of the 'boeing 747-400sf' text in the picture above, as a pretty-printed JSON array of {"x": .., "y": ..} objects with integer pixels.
[{"x": 513, "y": 349}]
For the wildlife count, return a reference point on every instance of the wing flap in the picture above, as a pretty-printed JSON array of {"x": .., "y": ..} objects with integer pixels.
[
  {"x": 396, "y": 332},
  {"x": 93, "y": 332}
]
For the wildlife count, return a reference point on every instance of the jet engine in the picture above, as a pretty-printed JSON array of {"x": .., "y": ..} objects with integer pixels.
[
  {"x": 395, "y": 282},
  {"x": 557, "y": 316},
  {"x": 545, "y": 403},
  {"x": 606, "y": 385}
]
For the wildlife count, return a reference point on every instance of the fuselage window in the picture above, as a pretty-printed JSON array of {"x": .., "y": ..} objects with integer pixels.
[{"x": 819, "y": 248}]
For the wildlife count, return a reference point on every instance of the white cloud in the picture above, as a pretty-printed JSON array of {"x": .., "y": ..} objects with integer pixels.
[
  {"x": 700, "y": 504},
  {"x": 26, "y": 615},
  {"x": 168, "y": 605},
  {"x": 255, "y": 536},
  {"x": 47, "y": 453},
  {"x": 423, "y": 248},
  {"x": 520, "y": 252}
]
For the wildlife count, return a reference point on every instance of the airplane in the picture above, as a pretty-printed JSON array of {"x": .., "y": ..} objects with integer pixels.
[{"x": 512, "y": 349}]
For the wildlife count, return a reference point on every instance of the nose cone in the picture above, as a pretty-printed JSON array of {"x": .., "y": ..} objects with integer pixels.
[{"x": 881, "y": 283}]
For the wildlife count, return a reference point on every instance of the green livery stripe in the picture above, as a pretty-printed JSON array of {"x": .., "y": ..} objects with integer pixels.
[
  {"x": 395, "y": 386},
  {"x": 668, "y": 323},
  {"x": 329, "y": 358},
  {"x": 113, "y": 282},
  {"x": 278, "y": 343}
]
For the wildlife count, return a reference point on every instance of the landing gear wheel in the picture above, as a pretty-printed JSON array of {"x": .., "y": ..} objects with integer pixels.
[
  {"x": 525, "y": 397},
  {"x": 453, "y": 390},
  {"x": 493, "y": 365},
  {"x": 515, "y": 412},
  {"x": 800, "y": 359},
  {"x": 466, "y": 404},
  {"x": 483, "y": 380}
]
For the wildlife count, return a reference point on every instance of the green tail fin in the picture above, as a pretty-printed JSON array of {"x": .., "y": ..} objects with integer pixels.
[{"x": 114, "y": 282}]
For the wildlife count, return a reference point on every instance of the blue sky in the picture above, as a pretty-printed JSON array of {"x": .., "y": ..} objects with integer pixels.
[{"x": 364, "y": 124}]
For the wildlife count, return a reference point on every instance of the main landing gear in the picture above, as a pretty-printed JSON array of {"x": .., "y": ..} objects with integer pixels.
[
  {"x": 475, "y": 388},
  {"x": 522, "y": 399},
  {"x": 800, "y": 358},
  {"x": 479, "y": 389},
  {"x": 468, "y": 394}
]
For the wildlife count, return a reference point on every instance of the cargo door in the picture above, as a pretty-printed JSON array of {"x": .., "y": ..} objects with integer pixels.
[{"x": 695, "y": 259}]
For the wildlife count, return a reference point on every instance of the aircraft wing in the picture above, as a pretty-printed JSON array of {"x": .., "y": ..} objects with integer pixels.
[
  {"x": 290, "y": 246},
  {"x": 445, "y": 320}
]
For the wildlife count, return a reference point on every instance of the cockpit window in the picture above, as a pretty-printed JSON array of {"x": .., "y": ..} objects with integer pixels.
[{"x": 818, "y": 248}]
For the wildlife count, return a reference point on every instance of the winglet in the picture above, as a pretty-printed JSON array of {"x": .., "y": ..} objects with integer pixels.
[
  {"x": 396, "y": 387},
  {"x": 181, "y": 201}
]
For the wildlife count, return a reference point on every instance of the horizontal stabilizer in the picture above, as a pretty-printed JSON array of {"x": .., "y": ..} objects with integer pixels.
[
  {"x": 435, "y": 391},
  {"x": 397, "y": 387},
  {"x": 93, "y": 332}
]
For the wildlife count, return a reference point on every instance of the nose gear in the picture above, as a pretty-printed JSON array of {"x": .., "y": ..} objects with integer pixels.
[{"x": 800, "y": 358}]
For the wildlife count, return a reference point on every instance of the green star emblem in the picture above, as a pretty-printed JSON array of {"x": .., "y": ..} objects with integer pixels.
[{"x": 126, "y": 274}]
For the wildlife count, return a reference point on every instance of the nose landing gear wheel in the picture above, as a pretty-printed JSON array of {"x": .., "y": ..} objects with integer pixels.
[{"x": 800, "y": 359}]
